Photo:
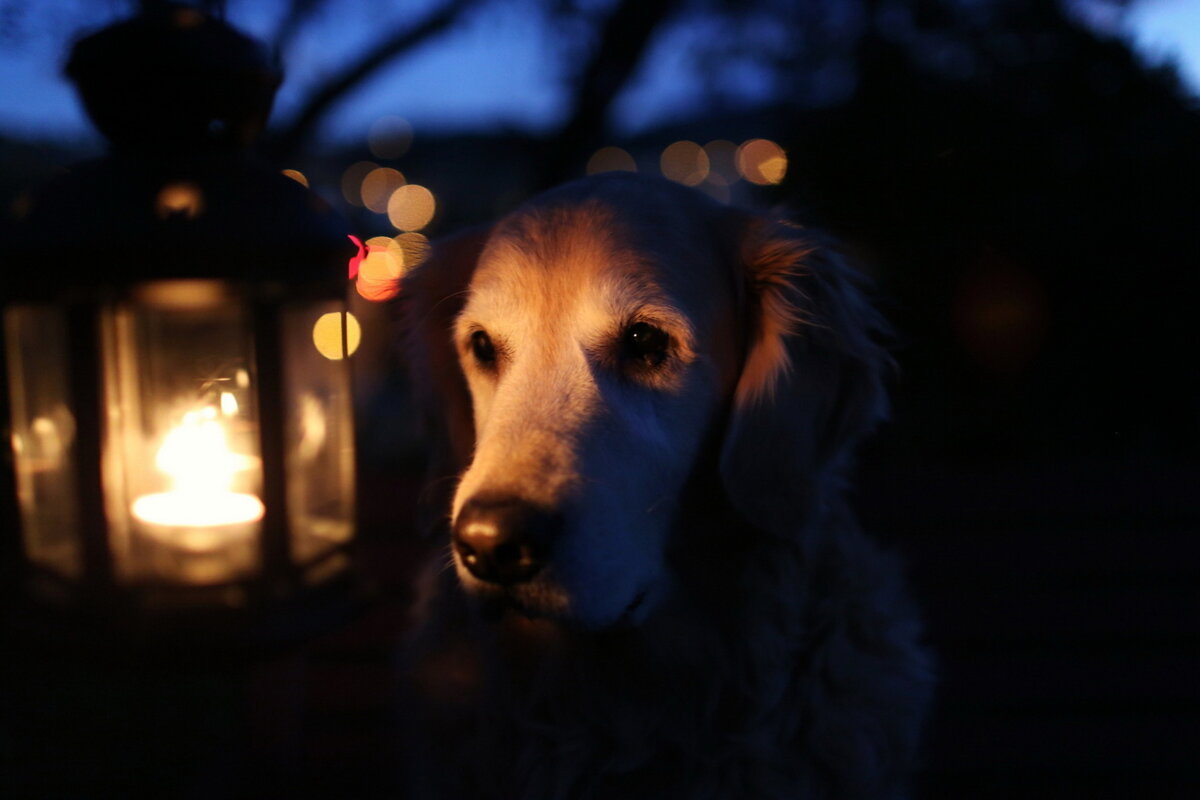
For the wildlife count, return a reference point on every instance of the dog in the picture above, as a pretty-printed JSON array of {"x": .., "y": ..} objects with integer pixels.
[{"x": 644, "y": 406}]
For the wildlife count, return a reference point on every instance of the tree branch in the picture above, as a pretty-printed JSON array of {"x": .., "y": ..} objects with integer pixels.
[
  {"x": 623, "y": 42},
  {"x": 287, "y": 142}
]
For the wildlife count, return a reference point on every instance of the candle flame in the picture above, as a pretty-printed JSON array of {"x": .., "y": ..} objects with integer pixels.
[{"x": 196, "y": 456}]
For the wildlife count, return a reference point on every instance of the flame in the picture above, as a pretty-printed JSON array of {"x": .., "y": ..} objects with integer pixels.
[{"x": 196, "y": 456}]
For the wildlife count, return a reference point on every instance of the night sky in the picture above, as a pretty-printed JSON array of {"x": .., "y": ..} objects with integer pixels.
[{"x": 501, "y": 68}]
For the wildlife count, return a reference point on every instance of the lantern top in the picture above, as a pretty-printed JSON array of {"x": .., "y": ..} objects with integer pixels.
[
  {"x": 180, "y": 95},
  {"x": 173, "y": 77}
]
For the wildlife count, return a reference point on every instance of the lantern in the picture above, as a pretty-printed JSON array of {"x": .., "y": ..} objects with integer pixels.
[{"x": 176, "y": 343}]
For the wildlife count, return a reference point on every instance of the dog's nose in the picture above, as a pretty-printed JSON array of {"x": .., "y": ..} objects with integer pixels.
[{"x": 503, "y": 540}]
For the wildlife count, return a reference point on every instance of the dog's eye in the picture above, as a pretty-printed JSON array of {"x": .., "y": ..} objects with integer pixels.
[
  {"x": 483, "y": 349},
  {"x": 645, "y": 344}
]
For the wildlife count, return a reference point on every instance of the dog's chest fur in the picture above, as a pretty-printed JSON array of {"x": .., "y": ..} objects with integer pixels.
[{"x": 787, "y": 695}]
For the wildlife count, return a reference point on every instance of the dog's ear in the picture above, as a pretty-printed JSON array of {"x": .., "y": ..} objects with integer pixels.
[
  {"x": 812, "y": 379},
  {"x": 431, "y": 297}
]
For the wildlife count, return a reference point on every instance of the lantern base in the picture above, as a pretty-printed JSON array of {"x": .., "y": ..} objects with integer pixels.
[{"x": 233, "y": 620}]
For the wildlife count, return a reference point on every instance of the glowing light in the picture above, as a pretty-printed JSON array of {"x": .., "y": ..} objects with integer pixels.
[
  {"x": 415, "y": 248},
  {"x": 297, "y": 176},
  {"x": 352, "y": 180},
  {"x": 684, "y": 162},
  {"x": 356, "y": 259},
  {"x": 611, "y": 159},
  {"x": 378, "y": 186},
  {"x": 411, "y": 207},
  {"x": 389, "y": 137},
  {"x": 186, "y": 293},
  {"x": 762, "y": 161},
  {"x": 182, "y": 199},
  {"x": 379, "y": 273},
  {"x": 327, "y": 335},
  {"x": 229, "y": 404},
  {"x": 199, "y": 508},
  {"x": 722, "y": 161}
]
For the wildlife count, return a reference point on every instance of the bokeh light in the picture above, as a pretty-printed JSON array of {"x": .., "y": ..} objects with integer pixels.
[
  {"x": 296, "y": 175},
  {"x": 179, "y": 199},
  {"x": 761, "y": 161},
  {"x": 389, "y": 137},
  {"x": 352, "y": 180},
  {"x": 610, "y": 159},
  {"x": 684, "y": 162},
  {"x": 380, "y": 271},
  {"x": 411, "y": 207},
  {"x": 378, "y": 186},
  {"x": 415, "y": 248},
  {"x": 327, "y": 335},
  {"x": 722, "y": 162}
]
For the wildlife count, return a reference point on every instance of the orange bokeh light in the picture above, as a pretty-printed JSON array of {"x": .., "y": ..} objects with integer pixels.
[
  {"x": 378, "y": 186},
  {"x": 296, "y": 175},
  {"x": 411, "y": 207},
  {"x": 381, "y": 269},
  {"x": 722, "y": 162},
  {"x": 610, "y": 159},
  {"x": 352, "y": 180},
  {"x": 182, "y": 199},
  {"x": 761, "y": 161},
  {"x": 684, "y": 162}
]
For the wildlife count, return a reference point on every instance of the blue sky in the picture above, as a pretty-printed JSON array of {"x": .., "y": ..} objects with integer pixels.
[{"x": 497, "y": 69}]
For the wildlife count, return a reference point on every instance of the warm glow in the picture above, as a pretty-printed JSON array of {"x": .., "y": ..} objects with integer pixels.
[
  {"x": 684, "y": 162},
  {"x": 389, "y": 137},
  {"x": 297, "y": 176},
  {"x": 722, "y": 162},
  {"x": 181, "y": 294},
  {"x": 762, "y": 161},
  {"x": 411, "y": 207},
  {"x": 183, "y": 199},
  {"x": 610, "y": 159},
  {"x": 196, "y": 456},
  {"x": 380, "y": 271},
  {"x": 415, "y": 248},
  {"x": 327, "y": 335},
  {"x": 378, "y": 186},
  {"x": 352, "y": 180},
  {"x": 357, "y": 258}
]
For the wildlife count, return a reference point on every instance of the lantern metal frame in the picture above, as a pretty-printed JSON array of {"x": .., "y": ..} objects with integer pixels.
[{"x": 97, "y": 238}]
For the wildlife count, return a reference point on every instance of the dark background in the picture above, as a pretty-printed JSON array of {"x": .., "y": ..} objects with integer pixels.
[{"x": 1024, "y": 191}]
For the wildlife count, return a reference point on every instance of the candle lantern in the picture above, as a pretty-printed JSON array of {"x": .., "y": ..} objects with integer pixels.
[{"x": 176, "y": 345}]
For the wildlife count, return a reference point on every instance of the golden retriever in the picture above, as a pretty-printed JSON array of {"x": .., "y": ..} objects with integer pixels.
[{"x": 645, "y": 405}]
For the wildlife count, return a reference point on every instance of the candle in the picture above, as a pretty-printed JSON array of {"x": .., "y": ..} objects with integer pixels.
[{"x": 200, "y": 511}]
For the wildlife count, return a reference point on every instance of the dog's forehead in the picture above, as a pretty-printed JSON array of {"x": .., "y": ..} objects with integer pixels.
[{"x": 594, "y": 253}]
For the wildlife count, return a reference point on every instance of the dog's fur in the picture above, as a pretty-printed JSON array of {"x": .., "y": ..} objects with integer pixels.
[{"x": 710, "y": 622}]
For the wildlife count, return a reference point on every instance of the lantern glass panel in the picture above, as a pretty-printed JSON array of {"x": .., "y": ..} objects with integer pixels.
[
  {"x": 182, "y": 467},
  {"x": 317, "y": 338},
  {"x": 43, "y": 435}
]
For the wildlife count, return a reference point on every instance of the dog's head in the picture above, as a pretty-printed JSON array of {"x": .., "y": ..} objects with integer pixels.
[{"x": 606, "y": 335}]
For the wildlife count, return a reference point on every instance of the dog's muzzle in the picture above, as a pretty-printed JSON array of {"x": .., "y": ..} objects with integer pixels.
[{"x": 504, "y": 540}]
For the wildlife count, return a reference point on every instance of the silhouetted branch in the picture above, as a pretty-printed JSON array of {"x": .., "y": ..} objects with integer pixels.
[
  {"x": 289, "y": 140},
  {"x": 623, "y": 41},
  {"x": 298, "y": 12}
]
